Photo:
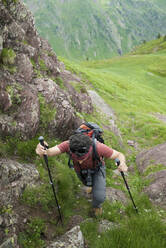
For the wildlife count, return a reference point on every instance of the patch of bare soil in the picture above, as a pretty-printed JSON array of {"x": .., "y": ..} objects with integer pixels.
[
  {"x": 160, "y": 117},
  {"x": 25, "y": 214},
  {"x": 51, "y": 218}
]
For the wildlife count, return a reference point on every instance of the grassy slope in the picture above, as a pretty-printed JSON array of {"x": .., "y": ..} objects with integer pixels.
[
  {"x": 135, "y": 92},
  {"x": 74, "y": 28},
  {"x": 97, "y": 29},
  {"x": 134, "y": 85}
]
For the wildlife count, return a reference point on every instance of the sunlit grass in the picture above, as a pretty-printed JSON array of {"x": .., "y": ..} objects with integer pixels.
[{"x": 134, "y": 86}]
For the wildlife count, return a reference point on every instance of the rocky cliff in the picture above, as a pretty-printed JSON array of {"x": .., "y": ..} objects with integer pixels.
[
  {"x": 36, "y": 95},
  {"x": 32, "y": 76}
]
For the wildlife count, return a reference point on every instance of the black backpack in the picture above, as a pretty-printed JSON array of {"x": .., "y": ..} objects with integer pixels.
[{"x": 93, "y": 131}]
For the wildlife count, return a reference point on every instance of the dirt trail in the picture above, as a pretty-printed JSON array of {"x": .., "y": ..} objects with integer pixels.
[{"x": 108, "y": 111}]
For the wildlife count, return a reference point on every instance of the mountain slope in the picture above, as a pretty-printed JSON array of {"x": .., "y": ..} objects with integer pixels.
[
  {"x": 134, "y": 86},
  {"x": 97, "y": 29},
  {"x": 40, "y": 96}
]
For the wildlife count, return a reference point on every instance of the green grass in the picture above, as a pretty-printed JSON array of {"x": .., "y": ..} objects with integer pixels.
[
  {"x": 128, "y": 85},
  {"x": 32, "y": 237},
  {"x": 151, "y": 46},
  {"x": 97, "y": 29},
  {"x": 130, "y": 229},
  {"x": 134, "y": 86},
  {"x": 139, "y": 231}
]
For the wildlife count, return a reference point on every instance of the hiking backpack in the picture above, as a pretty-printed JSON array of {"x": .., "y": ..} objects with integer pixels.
[{"x": 95, "y": 133}]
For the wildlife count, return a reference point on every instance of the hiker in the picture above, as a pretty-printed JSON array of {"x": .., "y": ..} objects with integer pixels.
[{"x": 91, "y": 172}]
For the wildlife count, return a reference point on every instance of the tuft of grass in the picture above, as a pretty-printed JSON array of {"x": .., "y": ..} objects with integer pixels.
[
  {"x": 14, "y": 146},
  {"x": 47, "y": 113},
  {"x": 152, "y": 168},
  {"x": 32, "y": 236},
  {"x": 145, "y": 231},
  {"x": 8, "y": 56},
  {"x": 65, "y": 183}
]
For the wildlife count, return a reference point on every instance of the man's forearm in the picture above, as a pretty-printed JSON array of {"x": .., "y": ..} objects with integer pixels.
[{"x": 53, "y": 151}]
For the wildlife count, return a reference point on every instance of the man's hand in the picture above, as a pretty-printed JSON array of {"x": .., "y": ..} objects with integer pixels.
[
  {"x": 40, "y": 150},
  {"x": 119, "y": 160},
  {"x": 122, "y": 167}
]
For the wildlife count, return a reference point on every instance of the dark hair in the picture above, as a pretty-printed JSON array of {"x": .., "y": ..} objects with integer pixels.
[{"x": 78, "y": 142}]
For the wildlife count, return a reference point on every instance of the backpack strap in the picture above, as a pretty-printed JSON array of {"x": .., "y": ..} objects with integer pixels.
[
  {"x": 70, "y": 164},
  {"x": 95, "y": 154}
]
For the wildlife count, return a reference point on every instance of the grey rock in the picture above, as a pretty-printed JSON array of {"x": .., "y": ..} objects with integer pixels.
[
  {"x": 1, "y": 43},
  {"x": 1, "y": 220},
  {"x": 106, "y": 225},
  {"x": 25, "y": 67},
  {"x": 155, "y": 155},
  {"x": 114, "y": 195},
  {"x": 72, "y": 239},
  {"x": 157, "y": 188},
  {"x": 9, "y": 243},
  {"x": 14, "y": 178}
]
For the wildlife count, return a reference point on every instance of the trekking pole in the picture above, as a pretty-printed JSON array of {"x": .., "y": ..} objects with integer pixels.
[
  {"x": 41, "y": 140},
  {"x": 122, "y": 174}
]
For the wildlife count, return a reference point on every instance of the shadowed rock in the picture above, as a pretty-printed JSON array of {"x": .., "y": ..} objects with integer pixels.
[
  {"x": 155, "y": 155},
  {"x": 157, "y": 187},
  {"x": 35, "y": 69}
]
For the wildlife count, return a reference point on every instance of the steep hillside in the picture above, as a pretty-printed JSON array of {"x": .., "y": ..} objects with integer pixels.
[
  {"x": 97, "y": 29},
  {"x": 41, "y": 95}
]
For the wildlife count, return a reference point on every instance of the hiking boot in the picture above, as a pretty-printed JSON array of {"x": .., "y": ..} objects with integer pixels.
[
  {"x": 97, "y": 211},
  {"x": 88, "y": 190}
]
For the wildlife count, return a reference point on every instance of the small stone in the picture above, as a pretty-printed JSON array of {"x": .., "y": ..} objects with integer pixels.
[
  {"x": 25, "y": 221},
  {"x": 130, "y": 142}
]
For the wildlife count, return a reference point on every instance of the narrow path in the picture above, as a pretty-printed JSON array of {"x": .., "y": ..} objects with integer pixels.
[{"x": 108, "y": 111}]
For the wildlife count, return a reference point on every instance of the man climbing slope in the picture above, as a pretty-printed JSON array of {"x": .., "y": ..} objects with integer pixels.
[{"x": 91, "y": 171}]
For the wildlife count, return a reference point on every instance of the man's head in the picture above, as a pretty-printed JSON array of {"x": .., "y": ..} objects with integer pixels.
[{"x": 79, "y": 144}]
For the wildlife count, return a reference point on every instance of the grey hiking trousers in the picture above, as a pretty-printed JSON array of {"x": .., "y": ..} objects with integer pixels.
[{"x": 98, "y": 186}]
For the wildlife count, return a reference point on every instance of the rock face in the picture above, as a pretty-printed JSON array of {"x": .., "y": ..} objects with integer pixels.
[
  {"x": 36, "y": 93},
  {"x": 114, "y": 195},
  {"x": 154, "y": 157},
  {"x": 14, "y": 178},
  {"x": 29, "y": 68},
  {"x": 157, "y": 188}
]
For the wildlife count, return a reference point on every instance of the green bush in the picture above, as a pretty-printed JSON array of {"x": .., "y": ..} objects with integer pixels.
[
  {"x": 32, "y": 237},
  {"x": 8, "y": 56},
  {"x": 47, "y": 113}
]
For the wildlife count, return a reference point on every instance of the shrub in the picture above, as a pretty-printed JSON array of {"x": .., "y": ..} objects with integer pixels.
[{"x": 8, "y": 56}]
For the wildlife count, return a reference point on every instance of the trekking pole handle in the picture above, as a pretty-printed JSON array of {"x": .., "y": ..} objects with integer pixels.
[
  {"x": 117, "y": 161},
  {"x": 41, "y": 140}
]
